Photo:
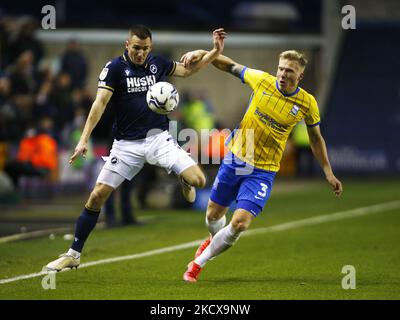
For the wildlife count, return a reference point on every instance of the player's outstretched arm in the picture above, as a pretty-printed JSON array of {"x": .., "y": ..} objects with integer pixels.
[
  {"x": 96, "y": 111},
  {"x": 189, "y": 67},
  {"x": 228, "y": 65},
  {"x": 319, "y": 150},
  {"x": 223, "y": 63}
]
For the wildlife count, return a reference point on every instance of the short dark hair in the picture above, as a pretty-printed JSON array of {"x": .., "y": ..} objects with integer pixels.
[{"x": 141, "y": 31}]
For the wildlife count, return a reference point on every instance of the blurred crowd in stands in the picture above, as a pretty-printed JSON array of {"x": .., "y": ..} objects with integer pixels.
[
  {"x": 42, "y": 103},
  {"x": 31, "y": 90}
]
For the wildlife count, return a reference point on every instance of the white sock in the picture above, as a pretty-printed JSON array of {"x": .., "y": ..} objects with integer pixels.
[
  {"x": 223, "y": 240},
  {"x": 215, "y": 225},
  {"x": 74, "y": 253}
]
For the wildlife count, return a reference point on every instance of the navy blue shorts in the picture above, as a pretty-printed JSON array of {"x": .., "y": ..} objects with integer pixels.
[{"x": 249, "y": 186}]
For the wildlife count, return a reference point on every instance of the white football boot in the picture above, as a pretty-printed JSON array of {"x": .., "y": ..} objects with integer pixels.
[
  {"x": 64, "y": 261},
  {"x": 188, "y": 191}
]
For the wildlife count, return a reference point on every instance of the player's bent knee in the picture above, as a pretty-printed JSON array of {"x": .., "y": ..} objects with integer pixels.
[
  {"x": 200, "y": 181},
  {"x": 197, "y": 180},
  {"x": 194, "y": 176},
  {"x": 213, "y": 216},
  {"x": 241, "y": 220},
  {"x": 239, "y": 226},
  {"x": 215, "y": 211}
]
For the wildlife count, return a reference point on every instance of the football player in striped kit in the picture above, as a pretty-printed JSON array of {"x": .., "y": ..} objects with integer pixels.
[{"x": 256, "y": 146}]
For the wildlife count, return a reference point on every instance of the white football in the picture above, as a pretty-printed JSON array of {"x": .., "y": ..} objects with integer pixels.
[{"x": 162, "y": 98}]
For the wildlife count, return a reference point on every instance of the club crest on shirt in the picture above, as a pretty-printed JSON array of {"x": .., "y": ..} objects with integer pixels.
[
  {"x": 295, "y": 110},
  {"x": 153, "y": 68}
]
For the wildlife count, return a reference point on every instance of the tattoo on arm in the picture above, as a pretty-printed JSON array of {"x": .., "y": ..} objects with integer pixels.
[{"x": 235, "y": 70}]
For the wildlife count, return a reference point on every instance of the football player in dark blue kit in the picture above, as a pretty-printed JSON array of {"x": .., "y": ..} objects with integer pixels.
[{"x": 140, "y": 135}]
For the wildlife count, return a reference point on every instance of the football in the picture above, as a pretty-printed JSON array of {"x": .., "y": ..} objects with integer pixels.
[{"x": 162, "y": 98}]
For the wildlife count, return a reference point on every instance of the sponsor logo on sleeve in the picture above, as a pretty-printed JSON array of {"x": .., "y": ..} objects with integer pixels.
[{"x": 103, "y": 74}]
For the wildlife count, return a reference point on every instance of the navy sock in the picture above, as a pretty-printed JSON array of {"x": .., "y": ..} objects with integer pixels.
[{"x": 84, "y": 225}]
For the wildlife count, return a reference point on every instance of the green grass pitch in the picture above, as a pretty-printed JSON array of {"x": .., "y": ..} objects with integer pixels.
[{"x": 299, "y": 263}]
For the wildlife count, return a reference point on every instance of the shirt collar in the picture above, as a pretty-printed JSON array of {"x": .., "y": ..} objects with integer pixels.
[{"x": 287, "y": 94}]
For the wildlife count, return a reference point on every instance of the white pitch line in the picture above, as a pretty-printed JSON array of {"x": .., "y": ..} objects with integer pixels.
[
  {"x": 280, "y": 227},
  {"x": 328, "y": 217},
  {"x": 32, "y": 234}
]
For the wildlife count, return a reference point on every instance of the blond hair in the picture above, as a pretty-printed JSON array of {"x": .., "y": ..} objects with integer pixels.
[{"x": 294, "y": 55}]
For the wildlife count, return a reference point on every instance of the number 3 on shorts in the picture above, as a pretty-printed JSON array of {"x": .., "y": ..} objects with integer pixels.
[{"x": 263, "y": 191}]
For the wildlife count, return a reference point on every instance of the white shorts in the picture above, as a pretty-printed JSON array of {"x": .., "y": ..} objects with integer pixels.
[{"x": 127, "y": 158}]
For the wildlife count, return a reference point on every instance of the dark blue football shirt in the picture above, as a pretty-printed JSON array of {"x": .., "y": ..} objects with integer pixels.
[{"x": 129, "y": 84}]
